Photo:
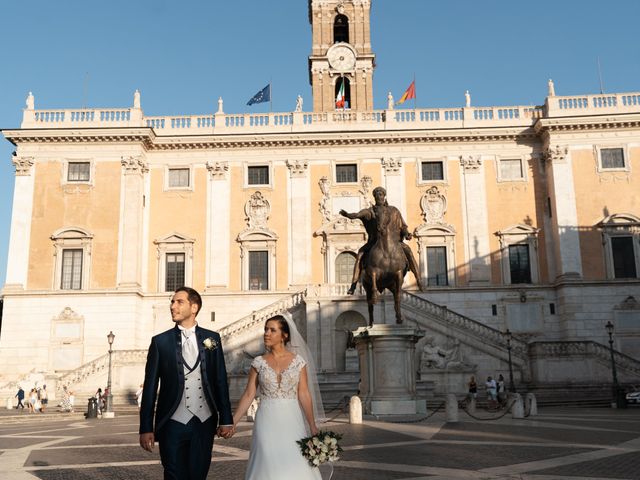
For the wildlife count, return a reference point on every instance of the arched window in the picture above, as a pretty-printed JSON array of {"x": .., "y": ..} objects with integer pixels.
[
  {"x": 343, "y": 95},
  {"x": 341, "y": 29},
  {"x": 344, "y": 267}
]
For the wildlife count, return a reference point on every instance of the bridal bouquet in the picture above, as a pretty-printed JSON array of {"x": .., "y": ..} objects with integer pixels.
[{"x": 320, "y": 448}]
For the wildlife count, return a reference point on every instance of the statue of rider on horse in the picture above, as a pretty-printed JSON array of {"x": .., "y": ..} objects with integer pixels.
[{"x": 384, "y": 260}]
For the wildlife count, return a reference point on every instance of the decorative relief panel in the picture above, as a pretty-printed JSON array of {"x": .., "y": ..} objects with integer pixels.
[
  {"x": 257, "y": 211},
  {"x": 325, "y": 203},
  {"x": 434, "y": 206},
  {"x": 366, "y": 183}
]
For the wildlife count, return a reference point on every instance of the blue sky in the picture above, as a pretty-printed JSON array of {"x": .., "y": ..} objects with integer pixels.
[{"x": 184, "y": 55}]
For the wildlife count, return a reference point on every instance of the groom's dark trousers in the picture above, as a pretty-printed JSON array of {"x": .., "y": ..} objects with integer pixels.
[{"x": 185, "y": 450}]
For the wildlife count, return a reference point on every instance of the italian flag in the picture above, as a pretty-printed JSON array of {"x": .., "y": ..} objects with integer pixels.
[{"x": 340, "y": 96}]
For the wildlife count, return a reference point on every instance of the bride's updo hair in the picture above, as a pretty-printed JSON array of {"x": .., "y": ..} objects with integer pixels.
[{"x": 284, "y": 327}]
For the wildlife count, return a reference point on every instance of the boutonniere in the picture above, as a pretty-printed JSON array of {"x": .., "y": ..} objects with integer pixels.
[{"x": 210, "y": 344}]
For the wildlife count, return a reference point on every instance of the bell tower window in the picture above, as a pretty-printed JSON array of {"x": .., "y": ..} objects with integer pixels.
[{"x": 341, "y": 29}]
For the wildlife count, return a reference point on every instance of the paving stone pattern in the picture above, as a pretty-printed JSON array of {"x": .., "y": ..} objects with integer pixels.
[{"x": 558, "y": 444}]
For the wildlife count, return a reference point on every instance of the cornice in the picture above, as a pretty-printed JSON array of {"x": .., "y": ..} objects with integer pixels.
[
  {"x": 342, "y": 138},
  {"x": 144, "y": 136},
  {"x": 586, "y": 123}
]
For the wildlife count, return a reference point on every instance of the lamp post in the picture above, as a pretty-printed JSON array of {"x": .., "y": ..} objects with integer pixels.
[
  {"x": 109, "y": 409},
  {"x": 618, "y": 401},
  {"x": 512, "y": 387}
]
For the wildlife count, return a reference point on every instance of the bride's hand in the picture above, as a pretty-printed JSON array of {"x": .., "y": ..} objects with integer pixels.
[{"x": 314, "y": 429}]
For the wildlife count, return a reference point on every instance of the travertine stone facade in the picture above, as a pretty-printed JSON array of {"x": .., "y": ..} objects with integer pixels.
[{"x": 525, "y": 218}]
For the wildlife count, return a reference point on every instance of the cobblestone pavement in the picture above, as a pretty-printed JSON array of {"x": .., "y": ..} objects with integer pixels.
[{"x": 557, "y": 444}]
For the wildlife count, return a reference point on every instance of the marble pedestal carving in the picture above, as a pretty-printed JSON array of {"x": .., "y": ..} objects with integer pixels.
[{"x": 386, "y": 355}]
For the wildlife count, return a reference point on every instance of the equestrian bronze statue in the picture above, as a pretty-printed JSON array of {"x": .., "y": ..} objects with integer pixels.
[{"x": 384, "y": 260}]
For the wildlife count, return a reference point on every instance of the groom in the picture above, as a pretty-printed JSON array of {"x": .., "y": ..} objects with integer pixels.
[{"x": 194, "y": 397}]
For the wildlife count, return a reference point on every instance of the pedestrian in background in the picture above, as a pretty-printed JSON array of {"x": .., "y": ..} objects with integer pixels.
[{"x": 20, "y": 397}]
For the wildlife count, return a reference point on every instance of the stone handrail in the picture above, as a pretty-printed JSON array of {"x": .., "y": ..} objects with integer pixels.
[
  {"x": 466, "y": 324},
  {"x": 260, "y": 316},
  {"x": 584, "y": 347},
  {"x": 119, "y": 357}
]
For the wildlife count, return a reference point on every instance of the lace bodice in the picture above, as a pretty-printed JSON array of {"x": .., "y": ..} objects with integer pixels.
[{"x": 268, "y": 378}]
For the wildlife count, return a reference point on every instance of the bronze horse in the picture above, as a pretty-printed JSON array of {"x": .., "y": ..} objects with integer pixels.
[{"x": 385, "y": 265}]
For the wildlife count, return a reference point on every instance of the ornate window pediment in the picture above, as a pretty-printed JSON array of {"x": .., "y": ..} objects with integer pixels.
[
  {"x": 621, "y": 242},
  {"x": 519, "y": 254},
  {"x": 174, "y": 250},
  {"x": 72, "y": 258}
]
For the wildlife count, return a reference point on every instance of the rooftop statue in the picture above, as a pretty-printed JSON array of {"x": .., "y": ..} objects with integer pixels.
[{"x": 384, "y": 259}]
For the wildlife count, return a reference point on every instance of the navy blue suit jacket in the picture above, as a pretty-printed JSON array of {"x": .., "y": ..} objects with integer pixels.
[{"x": 165, "y": 366}]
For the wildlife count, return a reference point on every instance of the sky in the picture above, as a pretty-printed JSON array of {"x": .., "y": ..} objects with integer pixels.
[{"x": 183, "y": 55}]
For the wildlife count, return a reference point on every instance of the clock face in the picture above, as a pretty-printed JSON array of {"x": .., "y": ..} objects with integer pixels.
[{"x": 341, "y": 58}]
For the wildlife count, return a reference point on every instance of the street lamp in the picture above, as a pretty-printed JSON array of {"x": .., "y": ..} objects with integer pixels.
[
  {"x": 109, "y": 406},
  {"x": 618, "y": 400},
  {"x": 512, "y": 387}
]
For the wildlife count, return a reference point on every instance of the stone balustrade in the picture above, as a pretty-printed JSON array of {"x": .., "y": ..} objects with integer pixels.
[{"x": 593, "y": 104}]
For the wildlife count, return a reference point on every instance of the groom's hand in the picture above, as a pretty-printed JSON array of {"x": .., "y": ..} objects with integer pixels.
[
  {"x": 225, "y": 432},
  {"x": 147, "y": 441}
]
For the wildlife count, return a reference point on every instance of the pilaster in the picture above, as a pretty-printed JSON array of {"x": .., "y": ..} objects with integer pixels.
[
  {"x": 475, "y": 220},
  {"x": 130, "y": 246},
  {"x": 19, "y": 238},
  {"x": 564, "y": 214},
  {"x": 218, "y": 219},
  {"x": 394, "y": 183},
  {"x": 299, "y": 222}
]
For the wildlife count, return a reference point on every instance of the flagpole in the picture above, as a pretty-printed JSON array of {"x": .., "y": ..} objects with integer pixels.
[
  {"x": 415, "y": 92},
  {"x": 270, "y": 96}
]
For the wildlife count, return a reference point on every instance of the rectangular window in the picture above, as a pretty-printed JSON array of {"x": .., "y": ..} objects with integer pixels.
[
  {"x": 174, "y": 271},
  {"x": 511, "y": 169},
  {"x": 71, "y": 278},
  {"x": 259, "y": 270},
  {"x": 78, "y": 172},
  {"x": 347, "y": 173},
  {"x": 437, "y": 266},
  {"x": 624, "y": 262},
  {"x": 258, "y": 175},
  {"x": 519, "y": 264},
  {"x": 612, "y": 158},
  {"x": 178, "y": 178},
  {"x": 432, "y": 171}
]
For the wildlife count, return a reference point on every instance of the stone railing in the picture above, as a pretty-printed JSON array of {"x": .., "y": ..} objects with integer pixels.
[
  {"x": 100, "y": 364},
  {"x": 287, "y": 122},
  {"x": 593, "y": 104},
  {"x": 452, "y": 319},
  {"x": 246, "y": 323},
  {"x": 584, "y": 348}
]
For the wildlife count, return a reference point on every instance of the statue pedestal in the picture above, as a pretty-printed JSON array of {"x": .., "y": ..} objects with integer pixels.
[
  {"x": 449, "y": 381},
  {"x": 386, "y": 354}
]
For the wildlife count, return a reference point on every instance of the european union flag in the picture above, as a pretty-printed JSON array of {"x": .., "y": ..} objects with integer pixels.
[{"x": 262, "y": 96}]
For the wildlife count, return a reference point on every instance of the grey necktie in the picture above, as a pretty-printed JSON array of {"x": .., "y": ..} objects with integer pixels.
[{"x": 189, "y": 351}]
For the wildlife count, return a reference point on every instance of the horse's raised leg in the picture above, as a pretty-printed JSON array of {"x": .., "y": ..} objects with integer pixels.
[{"x": 396, "y": 296}]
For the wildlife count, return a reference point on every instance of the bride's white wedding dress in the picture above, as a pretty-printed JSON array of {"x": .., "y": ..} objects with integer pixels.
[{"x": 279, "y": 423}]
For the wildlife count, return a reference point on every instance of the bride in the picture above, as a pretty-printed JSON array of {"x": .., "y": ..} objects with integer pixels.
[{"x": 289, "y": 396}]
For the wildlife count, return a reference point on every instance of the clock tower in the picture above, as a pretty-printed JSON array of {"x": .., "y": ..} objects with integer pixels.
[{"x": 341, "y": 62}]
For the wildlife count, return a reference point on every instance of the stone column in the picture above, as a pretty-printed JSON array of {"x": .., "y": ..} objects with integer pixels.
[
  {"x": 564, "y": 214},
  {"x": 131, "y": 239},
  {"x": 299, "y": 223},
  {"x": 386, "y": 355},
  {"x": 218, "y": 218},
  {"x": 475, "y": 220},
  {"x": 19, "y": 238}
]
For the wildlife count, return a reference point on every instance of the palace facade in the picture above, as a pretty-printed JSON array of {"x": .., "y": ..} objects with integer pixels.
[{"x": 525, "y": 218}]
